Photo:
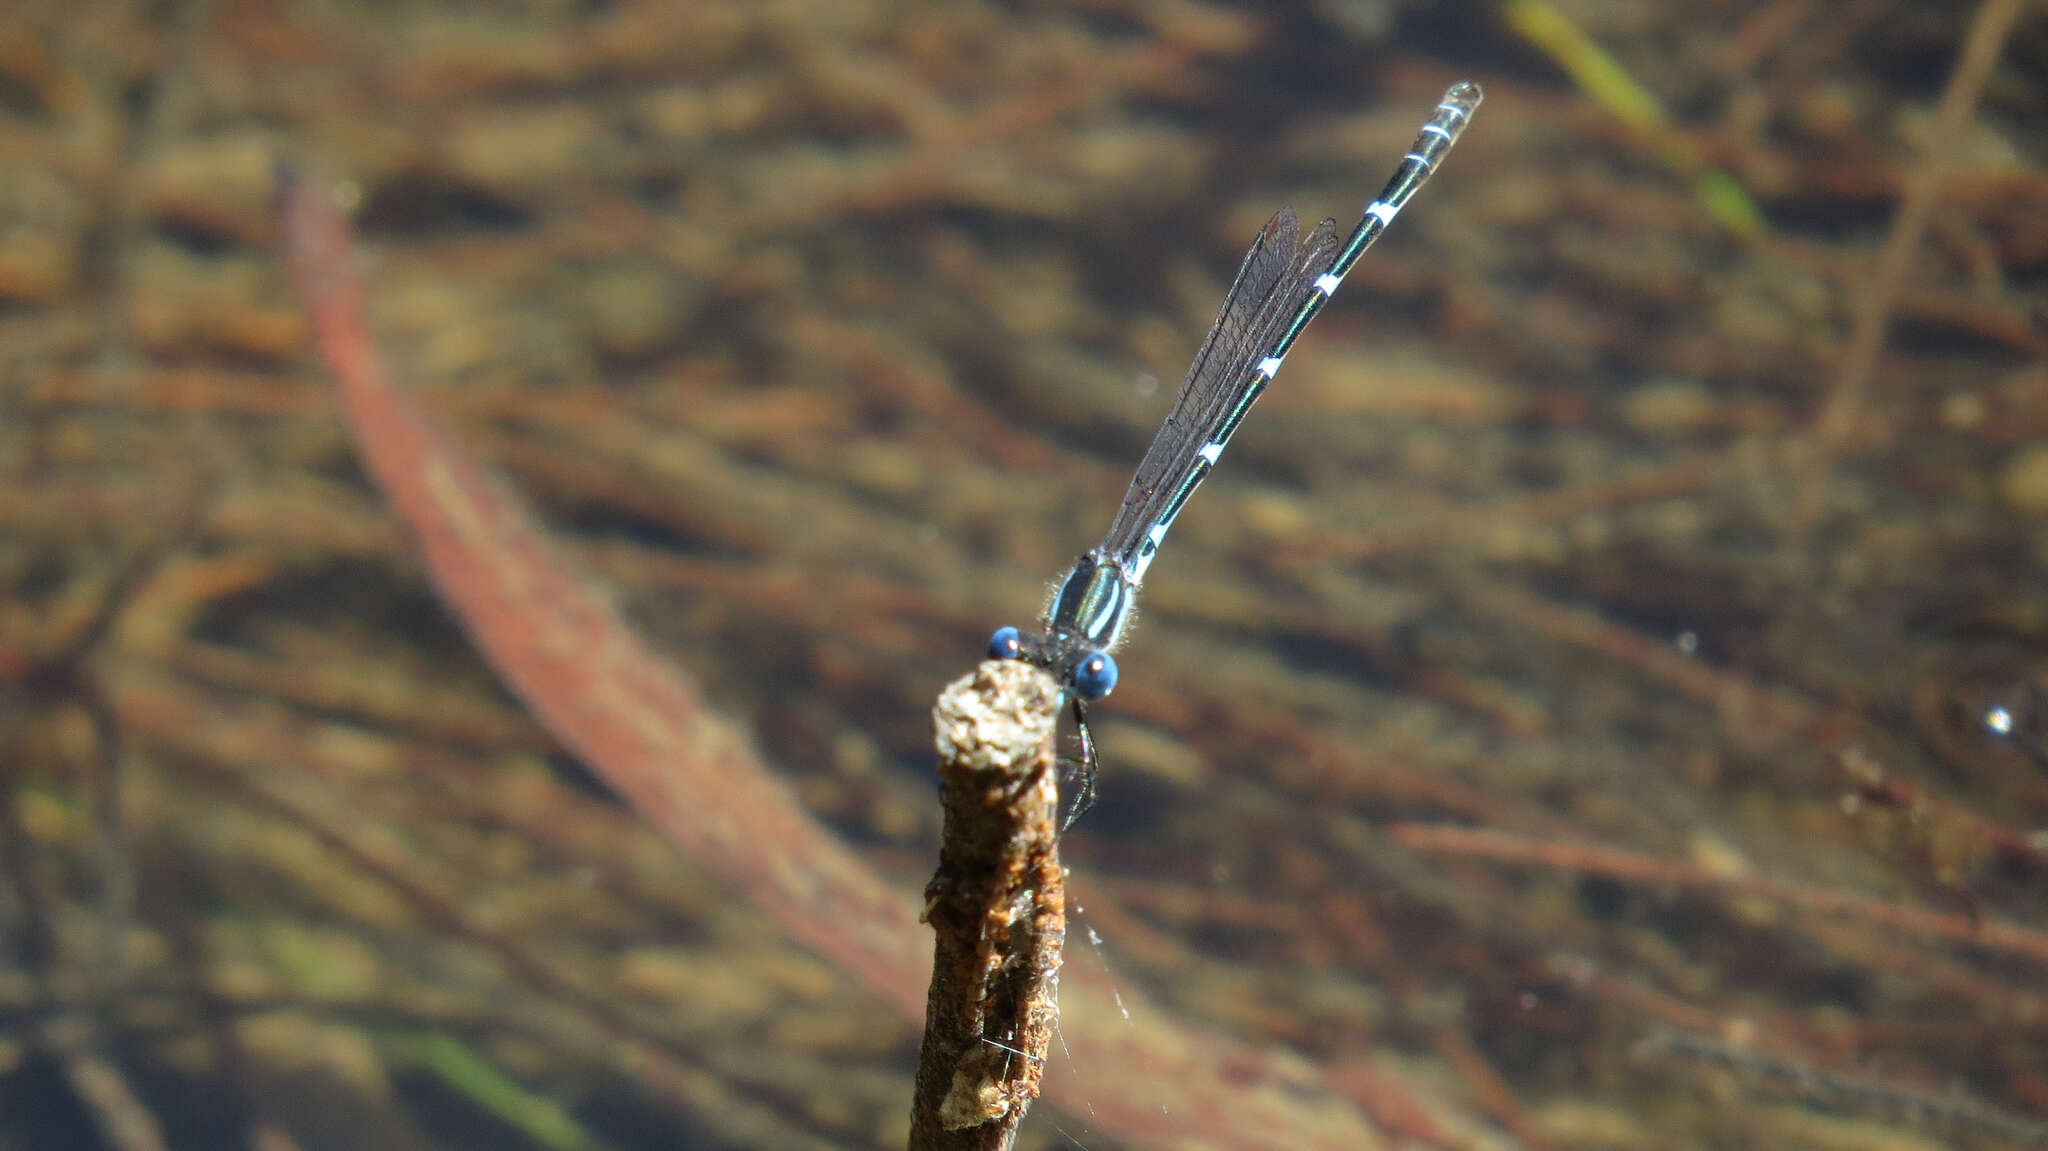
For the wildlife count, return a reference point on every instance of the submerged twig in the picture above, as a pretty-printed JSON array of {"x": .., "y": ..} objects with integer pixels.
[
  {"x": 1840, "y": 1090},
  {"x": 1837, "y": 422},
  {"x": 2003, "y": 936},
  {"x": 998, "y": 907}
]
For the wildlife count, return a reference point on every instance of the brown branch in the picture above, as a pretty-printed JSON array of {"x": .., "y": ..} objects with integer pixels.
[
  {"x": 998, "y": 908},
  {"x": 1990, "y": 934},
  {"x": 586, "y": 674},
  {"x": 1837, "y": 425}
]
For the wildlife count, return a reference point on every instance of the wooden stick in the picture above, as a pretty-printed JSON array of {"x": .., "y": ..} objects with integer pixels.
[{"x": 998, "y": 907}]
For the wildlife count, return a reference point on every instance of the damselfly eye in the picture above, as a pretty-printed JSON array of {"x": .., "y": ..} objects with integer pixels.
[
  {"x": 1008, "y": 643},
  {"x": 1095, "y": 676}
]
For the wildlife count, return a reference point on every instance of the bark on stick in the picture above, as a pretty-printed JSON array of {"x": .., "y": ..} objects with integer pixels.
[{"x": 998, "y": 908}]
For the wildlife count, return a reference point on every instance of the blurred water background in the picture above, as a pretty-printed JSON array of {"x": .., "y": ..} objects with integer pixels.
[{"x": 1601, "y": 701}]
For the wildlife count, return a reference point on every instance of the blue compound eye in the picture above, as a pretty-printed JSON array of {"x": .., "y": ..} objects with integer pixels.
[
  {"x": 1095, "y": 676},
  {"x": 1008, "y": 643}
]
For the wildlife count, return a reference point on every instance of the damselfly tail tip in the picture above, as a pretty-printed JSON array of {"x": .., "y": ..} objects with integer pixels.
[{"x": 1464, "y": 95}]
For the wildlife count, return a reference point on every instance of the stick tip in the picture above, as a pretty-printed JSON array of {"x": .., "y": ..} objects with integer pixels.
[{"x": 997, "y": 718}]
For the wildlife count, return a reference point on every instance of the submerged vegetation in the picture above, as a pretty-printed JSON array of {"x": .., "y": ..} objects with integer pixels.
[{"x": 1604, "y": 702}]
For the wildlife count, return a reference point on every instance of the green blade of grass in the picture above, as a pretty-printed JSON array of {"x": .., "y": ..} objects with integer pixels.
[{"x": 1605, "y": 82}]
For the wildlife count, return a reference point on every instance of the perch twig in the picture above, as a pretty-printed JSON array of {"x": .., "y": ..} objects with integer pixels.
[{"x": 998, "y": 908}]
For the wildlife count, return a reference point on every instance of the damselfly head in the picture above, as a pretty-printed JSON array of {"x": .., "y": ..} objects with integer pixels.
[{"x": 1087, "y": 673}]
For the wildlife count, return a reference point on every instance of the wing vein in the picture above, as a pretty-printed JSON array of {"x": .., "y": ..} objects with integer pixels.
[{"x": 1276, "y": 276}]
